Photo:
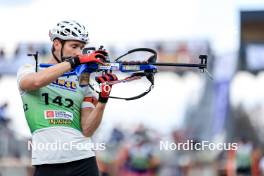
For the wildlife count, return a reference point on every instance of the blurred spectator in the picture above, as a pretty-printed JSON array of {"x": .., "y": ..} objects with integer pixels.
[
  {"x": 106, "y": 159},
  {"x": 17, "y": 51},
  {"x": 175, "y": 162},
  {"x": 43, "y": 51},
  {"x": 8, "y": 147},
  {"x": 183, "y": 55},
  {"x": 138, "y": 158},
  {"x": 2, "y": 53},
  {"x": 165, "y": 56},
  {"x": 245, "y": 161},
  {"x": 30, "y": 48},
  {"x": 256, "y": 157},
  {"x": 243, "y": 157},
  {"x": 261, "y": 166},
  {"x": 2, "y": 58},
  {"x": 3, "y": 114}
]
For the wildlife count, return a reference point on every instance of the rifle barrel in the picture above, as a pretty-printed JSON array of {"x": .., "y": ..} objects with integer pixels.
[{"x": 180, "y": 65}]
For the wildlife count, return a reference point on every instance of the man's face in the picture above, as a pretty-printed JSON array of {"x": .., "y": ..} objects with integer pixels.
[{"x": 72, "y": 48}]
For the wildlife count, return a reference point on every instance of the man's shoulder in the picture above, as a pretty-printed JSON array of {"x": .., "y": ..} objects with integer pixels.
[{"x": 26, "y": 67}]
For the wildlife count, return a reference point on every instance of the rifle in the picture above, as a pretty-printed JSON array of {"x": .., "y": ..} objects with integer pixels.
[{"x": 138, "y": 69}]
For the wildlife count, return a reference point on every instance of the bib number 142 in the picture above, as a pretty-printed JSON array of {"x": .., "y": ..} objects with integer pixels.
[{"x": 68, "y": 103}]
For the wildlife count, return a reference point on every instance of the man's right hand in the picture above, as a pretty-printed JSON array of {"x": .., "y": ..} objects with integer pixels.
[{"x": 94, "y": 57}]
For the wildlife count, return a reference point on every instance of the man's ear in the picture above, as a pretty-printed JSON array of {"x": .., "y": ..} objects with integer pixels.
[{"x": 57, "y": 44}]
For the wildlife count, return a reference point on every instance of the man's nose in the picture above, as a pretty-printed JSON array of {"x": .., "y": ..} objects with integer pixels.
[{"x": 78, "y": 52}]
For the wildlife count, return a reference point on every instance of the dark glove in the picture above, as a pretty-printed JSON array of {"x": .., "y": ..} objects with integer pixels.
[
  {"x": 94, "y": 57},
  {"x": 105, "y": 88}
]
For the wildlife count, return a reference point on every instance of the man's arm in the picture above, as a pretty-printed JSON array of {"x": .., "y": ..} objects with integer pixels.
[
  {"x": 42, "y": 78},
  {"x": 34, "y": 81},
  {"x": 91, "y": 119}
]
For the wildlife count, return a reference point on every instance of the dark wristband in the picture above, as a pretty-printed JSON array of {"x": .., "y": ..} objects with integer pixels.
[
  {"x": 74, "y": 61},
  {"x": 102, "y": 99}
]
